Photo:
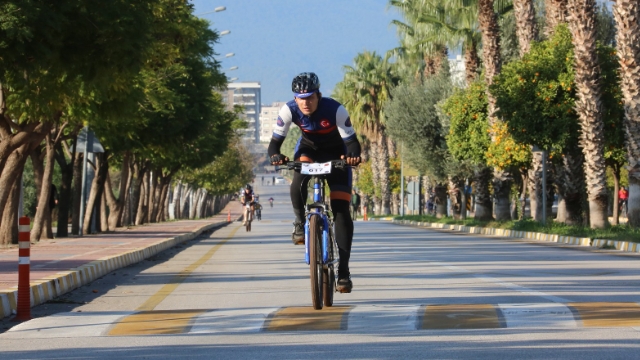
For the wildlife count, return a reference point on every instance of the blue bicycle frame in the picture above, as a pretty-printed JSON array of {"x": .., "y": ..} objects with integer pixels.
[{"x": 318, "y": 208}]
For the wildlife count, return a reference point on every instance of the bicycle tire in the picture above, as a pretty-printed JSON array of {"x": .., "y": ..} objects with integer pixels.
[
  {"x": 316, "y": 270},
  {"x": 328, "y": 286}
]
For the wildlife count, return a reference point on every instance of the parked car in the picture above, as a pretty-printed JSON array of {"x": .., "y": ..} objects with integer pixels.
[{"x": 280, "y": 181}]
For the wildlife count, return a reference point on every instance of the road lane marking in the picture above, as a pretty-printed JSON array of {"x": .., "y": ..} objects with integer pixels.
[
  {"x": 538, "y": 315},
  {"x": 357, "y": 319},
  {"x": 608, "y": 314},
  {"x": 173, "y": 284},
  {"x": 508, "y": 285},
  {"x": 308, "y": 319},
  {"x": 469, "y": 316},
  {"x": 231, "y": 321},
  {"x": 70, "y": 324},
  {"x": 383, "y": 318},
  {"x": 158, "y": 322}
]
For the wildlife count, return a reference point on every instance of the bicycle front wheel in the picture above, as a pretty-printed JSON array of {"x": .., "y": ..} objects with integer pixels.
[{"x": 315, "y": 261}]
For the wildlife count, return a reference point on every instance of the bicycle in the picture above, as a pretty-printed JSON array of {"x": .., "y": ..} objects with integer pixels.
[
  {"x": 321, "y": 249},
  {"x": 248, "y": 216}
]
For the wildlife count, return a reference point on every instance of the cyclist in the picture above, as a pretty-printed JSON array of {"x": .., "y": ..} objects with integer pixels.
[
  {"x": 271, "y": 201},
  {"x": 247, "y": 197},
  {"x": 327, "y": 135},
  {"x": 258, "y": 208}
]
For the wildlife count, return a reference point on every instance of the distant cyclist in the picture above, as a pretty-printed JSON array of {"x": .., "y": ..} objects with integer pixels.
[
  {"x": 271, "y": 201},
  {"x": 258, "y": 208},
  {"x": 247, "y": 197},
  {"x": 327, "y": 135}
]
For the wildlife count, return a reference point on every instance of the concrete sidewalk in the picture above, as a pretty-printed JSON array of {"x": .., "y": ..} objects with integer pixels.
[{"x": 61, "y": 265}]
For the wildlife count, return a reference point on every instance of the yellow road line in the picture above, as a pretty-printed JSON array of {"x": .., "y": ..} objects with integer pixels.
[
  {"x": 475, "y": 316},
  {"x": 306, "y": 318},
  {"x": 608, "y": 314},
  {"x": 167, "y": 289},
  {"x": 156, "y": 323}
]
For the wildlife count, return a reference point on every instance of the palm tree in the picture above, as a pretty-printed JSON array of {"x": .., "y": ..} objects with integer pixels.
[
  {"x": 589, "y": 107},
  {"x": 492, "y": 65},
  {"x": 555, "y": 14},
  {"x": 526, "y": 27},
  {"x": 365, "y": 88},
  {"x": 444, "y": 22},
  {"x": 626, "y": 13}
]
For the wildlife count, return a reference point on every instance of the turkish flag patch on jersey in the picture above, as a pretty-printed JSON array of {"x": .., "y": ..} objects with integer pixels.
[
  {"x": 325, "y": 123},
  {"x": 280, "y": 122}
]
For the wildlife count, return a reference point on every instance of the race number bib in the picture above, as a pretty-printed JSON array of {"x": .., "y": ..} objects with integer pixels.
[{"x": 316, "y": 168}]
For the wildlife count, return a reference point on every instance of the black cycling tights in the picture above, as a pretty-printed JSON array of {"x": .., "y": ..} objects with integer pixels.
[{"x": 342, "y": 217}]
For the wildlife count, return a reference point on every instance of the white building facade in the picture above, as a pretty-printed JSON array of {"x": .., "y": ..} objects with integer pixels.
[
  {"x": 268, "y": 119},
  {"x": 247, "y": 95}
]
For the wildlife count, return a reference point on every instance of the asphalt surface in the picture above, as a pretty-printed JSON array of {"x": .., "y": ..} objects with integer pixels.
[{"x": 417, "y": 294}]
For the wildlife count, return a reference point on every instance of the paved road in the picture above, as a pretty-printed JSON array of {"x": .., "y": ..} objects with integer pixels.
[{"x": 418, "y": 294}]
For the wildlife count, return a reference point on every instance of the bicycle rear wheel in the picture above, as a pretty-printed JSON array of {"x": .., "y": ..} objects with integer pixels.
[{"x": 315, "y": 261}]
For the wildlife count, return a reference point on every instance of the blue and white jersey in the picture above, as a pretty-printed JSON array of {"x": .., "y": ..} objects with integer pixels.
[{"x": 329, "y": 119}]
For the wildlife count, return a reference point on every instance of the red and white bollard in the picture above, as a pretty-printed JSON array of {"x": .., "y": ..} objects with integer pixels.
[{"x": 24, "y": 255}]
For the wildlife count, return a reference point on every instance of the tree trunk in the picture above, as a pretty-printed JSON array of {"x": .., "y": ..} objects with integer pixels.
[
  {"x": 471, "y": 62},
  {"x": 526, "y": 27},
  {"x": 627, "y": 13},
  {"x": 616, "y": 196},
  {"x": 569, "y": 184},
  {"x": 555, "y": 14},
  {"x": 382, "y": 166},
  {"x": 141, "y": 195},
  {"x": 441, "y": 200},
  {"x": 104, "y": 214},
  {"x": 589, "y": 107},
  {"x": 535, "y": 187},
  {"x": 42, "y": 220},
  {"x": 95, "y": 195},
  {"x": 116, "y": 206},
  {"x": 492, "y": 62},
  {"x": 484, "y": 205},
  {"x": 9, "y": 227},
  {"x": 77, "y": 193},
  {"x": 11, "y": 174},
  {"x": 64, "y": 193},
  {"x": 456, "y": 188}
]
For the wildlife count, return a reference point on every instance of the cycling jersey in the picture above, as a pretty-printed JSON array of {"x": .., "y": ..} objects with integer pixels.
[
  {"x": 328, "y": 127},
  {"x": 247, "y": 198}
]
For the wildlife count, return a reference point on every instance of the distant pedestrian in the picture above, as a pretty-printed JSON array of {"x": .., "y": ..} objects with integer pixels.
[
  {"x": 273, "y": 181},
  {"x": 263, "y": 180},
  {"x": 355, "y": 204},
  {"x": 623, "y": 197}
]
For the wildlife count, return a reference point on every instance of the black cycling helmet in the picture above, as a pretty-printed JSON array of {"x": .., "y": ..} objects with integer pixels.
[
  {"x": 305, "y": 84},
  {"x": 248, "y": 187}
]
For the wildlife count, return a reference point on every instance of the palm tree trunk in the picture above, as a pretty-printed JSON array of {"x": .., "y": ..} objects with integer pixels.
[
  {"x": 484, "y": 205},
  {"x": 569, "y": 184},
  {"x": 441, "y": 200},
  {"x": 526, "y": 27},
  {"x": 555, "y": 14},
  {"x": 456, "y": 188},
  {"x": 383, "y": 168},
  {"x": 535, "y": 186},
  {"x": 589, "y": 107},
  {"x": 471, "y": 62},
  {"x": 493, "y": 64},
  {"x": 627, "y": 13}
]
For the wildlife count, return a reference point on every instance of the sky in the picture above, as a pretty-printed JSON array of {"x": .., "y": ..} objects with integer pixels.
[{"x": 274, "y": 40}]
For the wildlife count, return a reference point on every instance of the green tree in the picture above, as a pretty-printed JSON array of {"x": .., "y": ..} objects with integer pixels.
[{"x": 363, "y": 91}]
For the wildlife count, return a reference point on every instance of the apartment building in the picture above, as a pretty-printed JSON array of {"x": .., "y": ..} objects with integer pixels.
[
  {"x": 268, "y": 119},
  {"x": 247, "y": 95}
]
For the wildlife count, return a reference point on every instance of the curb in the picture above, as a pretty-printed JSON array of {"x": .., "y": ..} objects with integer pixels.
[
  {"x": 624, "y": 246},
  {"x": 43, "y": 290}
]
